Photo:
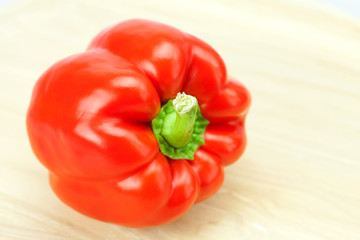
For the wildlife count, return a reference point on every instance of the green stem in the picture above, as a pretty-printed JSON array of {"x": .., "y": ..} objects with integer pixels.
[{"x": 178, "y": 126}]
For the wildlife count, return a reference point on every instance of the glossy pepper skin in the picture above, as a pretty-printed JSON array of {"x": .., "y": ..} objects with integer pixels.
[{"x": 89, "y": 123}]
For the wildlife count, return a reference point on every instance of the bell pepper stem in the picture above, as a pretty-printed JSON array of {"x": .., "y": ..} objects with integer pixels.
[{"x": 178, "y": 126}]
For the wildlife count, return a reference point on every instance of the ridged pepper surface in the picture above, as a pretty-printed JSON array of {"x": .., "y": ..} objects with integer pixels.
[{"x": 138, "y": 128}]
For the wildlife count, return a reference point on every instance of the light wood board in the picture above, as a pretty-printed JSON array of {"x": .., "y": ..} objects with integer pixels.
[{"x": 300, "y": 175}]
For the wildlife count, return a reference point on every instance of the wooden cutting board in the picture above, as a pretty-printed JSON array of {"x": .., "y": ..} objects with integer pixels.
[{"x": 300, "y": 175}]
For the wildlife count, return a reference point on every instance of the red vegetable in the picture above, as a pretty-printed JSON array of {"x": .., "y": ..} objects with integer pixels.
[{"x": 119, "y": 148}]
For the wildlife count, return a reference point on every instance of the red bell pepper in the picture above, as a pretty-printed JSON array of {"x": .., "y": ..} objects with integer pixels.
[{"x": 137, "y": 129}]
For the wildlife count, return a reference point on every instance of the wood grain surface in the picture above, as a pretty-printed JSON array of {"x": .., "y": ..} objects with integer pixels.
[{"x": 300, "y": 175}]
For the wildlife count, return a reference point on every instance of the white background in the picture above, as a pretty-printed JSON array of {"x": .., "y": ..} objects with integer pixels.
[{"x": 350, "y": 7}]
